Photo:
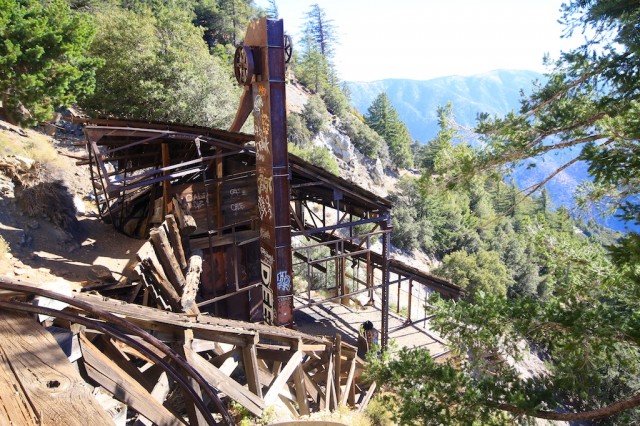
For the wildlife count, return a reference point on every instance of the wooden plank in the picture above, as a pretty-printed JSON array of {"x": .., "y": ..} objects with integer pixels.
[
  {"x": 314, "y": 390},
  {"x": 159, "y": 393},
  {"x": 124, "y": 389},
  {"x": 174, "y": 238},
  {"x": 283, "y": 377},
  {"x": 301, "y": 391},
  {"x": 329, "y": 393},
  {"x": 192, "y": 284},
  {"x": 367, "y": 397},
  {"x": 250, "y": 360},
  {"x": 15, "y": 406},
  {"x": 195, "y": 416},
  {"x": 225, "y": 384},
  {"x": 152, "y": 266},
  {"x": 287, "y": 403},
  {"x": 186, "y": 222},
  {"x": 44, "y": 376},
  {"x": 338, "y": 366},
  {"x": 350, "y": 383},
  {"x": 170, "y": 265},
  {"x": 120, "y": 359}
]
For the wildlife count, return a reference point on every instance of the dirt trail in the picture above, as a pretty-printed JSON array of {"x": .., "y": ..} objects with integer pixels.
[{"x": 39, "y": 250}]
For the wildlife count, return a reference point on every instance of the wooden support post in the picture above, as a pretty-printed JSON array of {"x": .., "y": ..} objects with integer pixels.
[
  {"x": 337, "y": 353},
  {"x": 349, "y": 388},
  {"x": 250, "y": 360},
  {"x": 283, "y": 377},
  {"x": 328, "y": 392},
  {"x": 367, "y": 397},
  {"x": 192, "y": 284},
  {"x": 174, "y": 238},
  {"x": 170, "y": 265},
  {"x": 314, "y": 391},
  {"x": 195, "y": 416},
  {"x": 301, "y": 391},
  {"x": 166, "y": 185},
  {"x": 225, "y": 384}
]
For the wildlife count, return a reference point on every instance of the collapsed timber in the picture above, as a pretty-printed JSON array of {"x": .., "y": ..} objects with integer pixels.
[{"x": 141, "y": 355}]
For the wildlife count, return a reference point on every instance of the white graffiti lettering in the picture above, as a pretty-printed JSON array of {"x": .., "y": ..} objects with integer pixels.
[
  {"x": 267, "y": 294},
  {"x": 266, "y": 257},
  {"x": 265, "y": 185},
  {"x": 264, "y": 208},
  {"x": 237, "y": 207}
]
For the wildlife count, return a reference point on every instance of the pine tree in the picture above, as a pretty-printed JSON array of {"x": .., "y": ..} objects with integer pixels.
[
  {"x": 43, "y": 58},
  {"x": 384, "y": 119},
  {"x": 272, "y": 10},
  {"x": 321, "y": 31}
]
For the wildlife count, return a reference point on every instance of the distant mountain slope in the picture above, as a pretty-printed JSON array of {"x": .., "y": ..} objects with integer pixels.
[{"x": 496, "y": 92}]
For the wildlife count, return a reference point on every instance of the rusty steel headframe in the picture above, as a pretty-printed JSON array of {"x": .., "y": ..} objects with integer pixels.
[{"x": 260, "y": 67}]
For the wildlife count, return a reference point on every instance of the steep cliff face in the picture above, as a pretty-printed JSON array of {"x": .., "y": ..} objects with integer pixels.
[{"x": 352, "y": 164}]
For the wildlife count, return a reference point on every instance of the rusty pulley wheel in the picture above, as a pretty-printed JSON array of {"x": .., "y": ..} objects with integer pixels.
[
  {"x": 243, "y": 66},
  {"x": 288, "y": 48}
]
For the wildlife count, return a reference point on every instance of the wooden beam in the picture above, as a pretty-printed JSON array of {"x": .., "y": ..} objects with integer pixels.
[
  {"x": 328, "y": 392},
  {"x": 283, "y": 377},
  {"x": 220, "y": 381},
  {"x": 186, "y": 222},
  {"x": 301, "y": 391},
  {"x": 192, "y": 284},
  {"x": 174, "y": 238},
  {"x": 152, "y": 266},
  {"x": 195, "y": 416},
  {"x": 42, "y": 378},
  {"x": 350, "y": 383},
  {"x": 170, "y": 265},
  {"x": 250, "y": 360},
  {"x": 111, "y": 377},
  {"x": 314, "y": 390},
  {"x": 337, "y": 354},
  {"x": 367, "y": 397}
]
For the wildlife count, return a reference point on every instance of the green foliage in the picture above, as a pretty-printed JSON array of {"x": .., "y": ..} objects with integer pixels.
[
  {"x": 297, "y": 131},
  {"x": 481, "y": 272},
  {"x": 590, "y": 102},
  {"x": 315, "y": 115},
  {"x": 383, "y": 118},
  {"x": 157, "y": 67},
  {"x": 318, "y": 156},
  {"x": 365, "y": 139},
  {"x": 43, "y": 58},
  {"x": 224, "y": 21}
]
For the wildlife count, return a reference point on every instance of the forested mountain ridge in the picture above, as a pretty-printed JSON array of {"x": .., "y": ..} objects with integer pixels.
[{"x": 496, "y": 92}]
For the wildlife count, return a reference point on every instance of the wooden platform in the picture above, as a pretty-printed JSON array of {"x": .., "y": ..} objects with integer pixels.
[{"x": 38, "y": 384}]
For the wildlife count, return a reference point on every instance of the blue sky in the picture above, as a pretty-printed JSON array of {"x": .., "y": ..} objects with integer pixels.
[{"x": 424, "y": 39}]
